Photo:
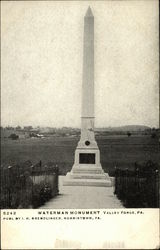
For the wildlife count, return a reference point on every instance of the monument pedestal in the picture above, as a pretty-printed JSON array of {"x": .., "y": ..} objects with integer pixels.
[
  {"x": 87, "y": 170},
  {"x": 87, "y": 177}
]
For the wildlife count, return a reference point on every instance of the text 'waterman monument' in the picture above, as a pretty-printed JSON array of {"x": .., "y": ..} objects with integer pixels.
[{"x": 87, "y": 169}]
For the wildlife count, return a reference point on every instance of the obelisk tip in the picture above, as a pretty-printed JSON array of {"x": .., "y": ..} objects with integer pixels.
[{"x": 89, "y": 12}]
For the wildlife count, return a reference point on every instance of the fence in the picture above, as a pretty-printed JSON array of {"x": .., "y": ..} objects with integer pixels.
[
  {"x": 20, "y": 188},
  {"x": 137, "y": 188}
]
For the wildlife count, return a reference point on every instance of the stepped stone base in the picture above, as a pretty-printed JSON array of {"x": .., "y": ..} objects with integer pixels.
[{"x": 87, "y": 175}]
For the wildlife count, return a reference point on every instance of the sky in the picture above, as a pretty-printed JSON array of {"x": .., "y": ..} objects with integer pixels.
[{"x": 42, "y": 58}]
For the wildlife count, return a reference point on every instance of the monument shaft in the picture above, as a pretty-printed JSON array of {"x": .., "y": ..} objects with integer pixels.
[
  {"x": 88, "y": 67},
  {"x": 87, "y": 116}
]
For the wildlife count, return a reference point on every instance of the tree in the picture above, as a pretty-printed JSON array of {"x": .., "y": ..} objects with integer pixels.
[
  {"x": 28, "y": 128},
  {"x": 129, "y": 133},
  {"x": 18, "y": 128},
  {"x": 153, "y": 133},
  {"x": 13, "y": 137}
]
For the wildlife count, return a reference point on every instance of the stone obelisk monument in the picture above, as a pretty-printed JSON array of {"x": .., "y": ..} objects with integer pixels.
[{"x": 87, "y": 168}]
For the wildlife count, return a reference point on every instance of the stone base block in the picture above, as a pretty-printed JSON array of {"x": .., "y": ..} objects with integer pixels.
[
  {"x": 87, "y": 176},
  {"x": 87, "y": 182}
]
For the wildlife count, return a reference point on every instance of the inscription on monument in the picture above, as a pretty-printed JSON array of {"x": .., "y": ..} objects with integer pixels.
[{"x": 86, "y": 158}]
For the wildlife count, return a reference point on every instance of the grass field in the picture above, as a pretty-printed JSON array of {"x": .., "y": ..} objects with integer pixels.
[{"x": 122, "y": 151}]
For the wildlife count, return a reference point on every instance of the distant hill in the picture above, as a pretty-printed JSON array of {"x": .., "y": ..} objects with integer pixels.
[{"x": 124, "y": 128}]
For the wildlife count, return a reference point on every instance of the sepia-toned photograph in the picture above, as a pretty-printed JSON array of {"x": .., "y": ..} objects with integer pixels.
[
  {"x": 80, "y": 105},
  {"x": 79, "y": 124}
]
